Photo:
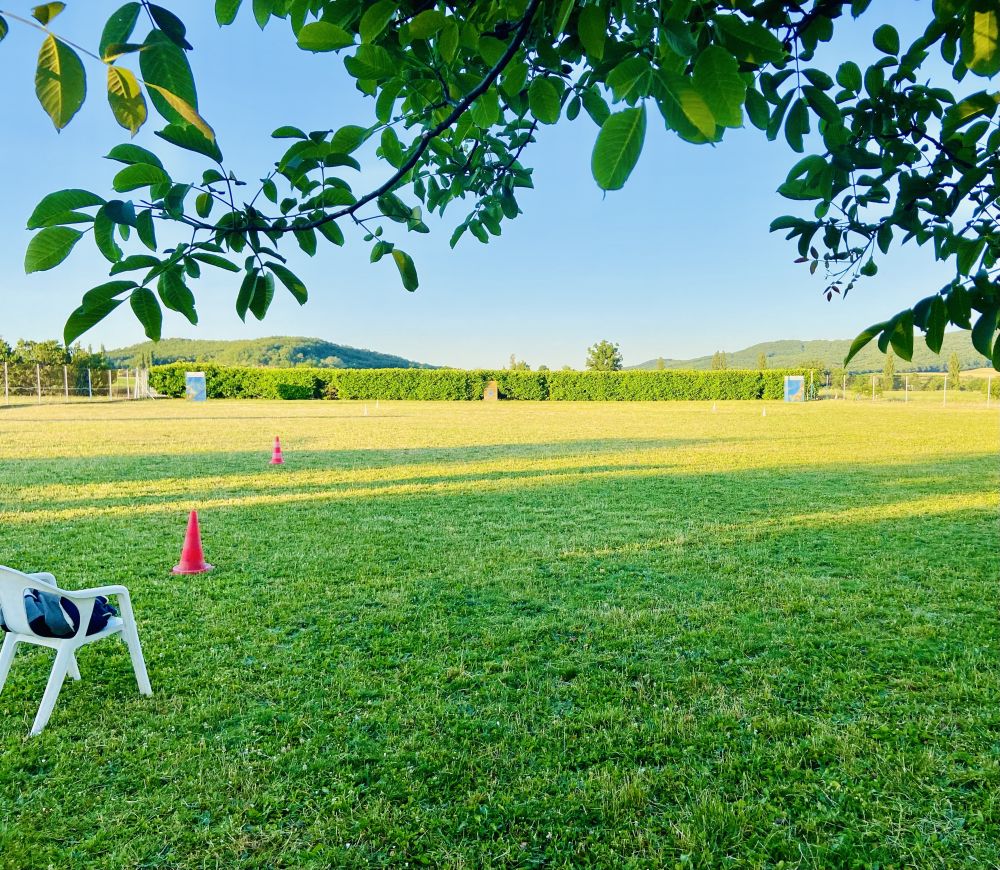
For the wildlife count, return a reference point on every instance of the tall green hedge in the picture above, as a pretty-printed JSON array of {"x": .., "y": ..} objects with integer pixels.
[{"x": 225, "y": 382}]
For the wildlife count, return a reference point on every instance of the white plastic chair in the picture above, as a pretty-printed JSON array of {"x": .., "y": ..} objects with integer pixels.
[{"x": 13, "y": 585}]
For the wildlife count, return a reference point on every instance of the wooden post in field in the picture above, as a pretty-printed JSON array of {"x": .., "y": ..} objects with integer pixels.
[
  {"x": 66, "y": 382},
  {"x": 38, "y": 381},
  {"x": 873, "y": 388},
  {"x": 6, "y": 388},
  {"x": 111, "y": 395},
  {"x": 90, "y": 385}
]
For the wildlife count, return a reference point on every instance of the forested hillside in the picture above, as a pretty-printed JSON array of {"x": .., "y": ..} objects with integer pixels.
[
  {"x": 792, "y": 354},
  {"x": 277, "y": 352}
]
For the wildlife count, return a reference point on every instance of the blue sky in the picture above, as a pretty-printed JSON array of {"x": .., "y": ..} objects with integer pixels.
[{"x": 678, "y": 264}]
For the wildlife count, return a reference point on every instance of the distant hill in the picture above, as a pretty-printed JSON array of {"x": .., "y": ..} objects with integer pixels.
[
  {"x": 279, "y": 352},
  {"x": 789, "y": 354}
]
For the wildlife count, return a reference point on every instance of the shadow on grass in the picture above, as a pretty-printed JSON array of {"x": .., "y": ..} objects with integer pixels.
[{"x": 563, "y": 670}]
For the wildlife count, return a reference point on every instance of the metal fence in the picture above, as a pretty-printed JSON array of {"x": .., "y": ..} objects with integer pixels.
[
  {"x": 925, "y": 387},
  {"x": 25, "y": 384}
]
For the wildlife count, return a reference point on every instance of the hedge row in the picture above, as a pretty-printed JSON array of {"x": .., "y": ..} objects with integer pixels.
[{"x": 225, "y": 382}]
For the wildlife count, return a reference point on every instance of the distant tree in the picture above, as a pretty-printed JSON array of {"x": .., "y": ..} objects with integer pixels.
[
  {"x": 543, "y": 368},
  {"x": 604, "y": 357},
  {"x": 6, "y": 351},
  {"x": 567, "y": 368},
  {"x": 762, "y": 361},
  {"x": 889, "y": 369},
  {"x": 661, "y": 364},
  {"x": 719, "y": 361},
  {"x": 954, "y": 372},
  {"x": 518, "y": 365}
]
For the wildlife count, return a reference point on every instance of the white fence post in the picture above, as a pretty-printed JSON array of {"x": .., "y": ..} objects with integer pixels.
[
  {"x": 845, "y": 388},
  {"x": 6, "y": 387},
  {"x": 38, "y": 381},
  {"x": 989, "y": 387},
  {"x": 945, "y": 400},
  {"x": 906, "y": 388},
  {"x": 873, "y": 388},
  {"x": 66, "y": 382},
  {"x": 90, "y": 386},
  {"x": 111, "y": 395}
]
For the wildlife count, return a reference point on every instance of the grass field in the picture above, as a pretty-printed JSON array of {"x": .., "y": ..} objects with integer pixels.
[{"x": 464, "y": 635}]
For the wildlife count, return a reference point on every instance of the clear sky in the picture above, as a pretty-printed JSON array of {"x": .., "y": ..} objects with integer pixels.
[{"x": 678, "y": 264}]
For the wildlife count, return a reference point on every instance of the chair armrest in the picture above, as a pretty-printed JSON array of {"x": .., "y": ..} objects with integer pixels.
[
  {"x": 87, "y": 594},
  {"x": 44, "y": 576}
]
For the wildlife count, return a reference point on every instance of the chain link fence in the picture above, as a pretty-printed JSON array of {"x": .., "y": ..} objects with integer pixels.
[{"x": 28, "y": 384}]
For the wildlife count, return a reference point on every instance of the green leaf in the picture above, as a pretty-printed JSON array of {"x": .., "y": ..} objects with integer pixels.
[
  {"x": 86, "y": 317},
  {"x": 133, "y": 263},
  {"x": 823, "y": 105},
  {"x": 376, "y": 19},
  {"x": 4, "y": 28},
  {"x": 49, "y": 248},
  {"x": 485, "y": 111},
  {"x": 797, "y": 125},
  {"x": 176, "y": 295},
  {"x": 225, "y": 11},
  {"x": 683, "y": 105},
  {"x": 757, "y": 109},
  {"x": 127, "y": 102},
  {"x": 60, "y": 81},
  {"x": 543, "y": 100},
  {"x": 147, "y": 309},
  {"x": 592, "y": 28},
  {"x": 749, "y": 42},
  {"x": 981, "y": 40},
  {"x": 426, "y": 24},
  {"x": 332, "y": 232},
  {"x": 129, "y": 154},
  {"x": 371, "y": 62},
  {"x": 291, "y": 281},
  {"x": 901, "y": 336},
  {"x": 863, "y": 339},
  {"x": 246, "y": 294},
  {"x": 717, "y": 78},
  {"x": 61, "y": 202},
  {"x": 849, "y": 76},
  {"x": 306, "y": 238},
  {"x": 145, "y": 230},
  {"x": 262, "y": 12},
  {"x": 119, "y": 27},
  {"x": 104, "y": 235},
  {"x": 262, "y": 295},
  {"x": 447, "y": 42},
  {"x": 203, "y": 204},
  {"x": 288, "y": 133},
  {"x": 323, "y": 36},
  {"x": 886, "y": 39},
  {"x": 618, "y": 147},
  {"x": 407, "y": 271},
  {"x": 982, "y": 332},
  {"x": 937, "y": 320},
  {"x": 165, "y": 70},
  {"x": 217, "y": 261},
  {"x": 629, "y": 80},
  {"x": 959, "y": 306},
  {"x": 45, "y": 12},
  {"x": 348, "y": 138},
  {"x": 138, "y": 175},
  {"x": 170, "y": 24},
  {"x": 191, "y": 140}
]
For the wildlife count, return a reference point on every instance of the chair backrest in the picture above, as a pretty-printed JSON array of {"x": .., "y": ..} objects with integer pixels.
[{"x": 13, "y": 585}]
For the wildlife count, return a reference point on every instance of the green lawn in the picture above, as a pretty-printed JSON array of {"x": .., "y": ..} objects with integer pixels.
[{"x": 470, "y": 635}]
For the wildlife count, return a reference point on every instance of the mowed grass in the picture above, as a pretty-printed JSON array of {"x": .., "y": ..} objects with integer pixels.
[{"x": 471, "y": 635}]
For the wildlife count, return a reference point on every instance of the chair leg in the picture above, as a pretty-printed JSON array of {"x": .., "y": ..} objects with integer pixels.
[
  {"x": 56, "y": 678},
  {"x": 131, "y": 637},
  {"x": 74, "y": 668},
  {"x": 6, "y": 657}
]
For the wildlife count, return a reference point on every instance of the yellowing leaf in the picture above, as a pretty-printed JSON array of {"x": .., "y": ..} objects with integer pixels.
[
  {"x": 981, "y": 42},
  {"x": 44, "y": 13},
  {"x": 186, "y": 111},
  {"x": 126, "y": 99},
  {"x": 60, "y": 81}
]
